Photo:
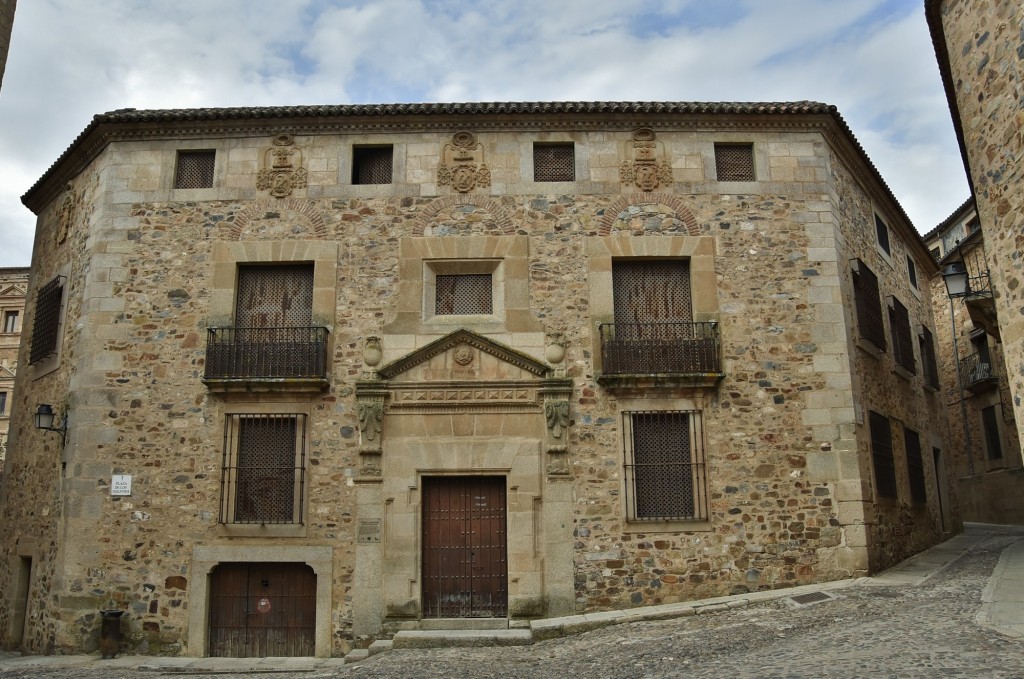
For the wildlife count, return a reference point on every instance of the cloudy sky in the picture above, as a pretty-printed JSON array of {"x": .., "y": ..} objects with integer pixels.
[{"x": 71, "y": 59}]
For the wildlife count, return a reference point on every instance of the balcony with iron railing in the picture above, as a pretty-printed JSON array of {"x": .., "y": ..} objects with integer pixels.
[
  {"x": 266, "y": 359},
  {"x": 670, "y": 354},
  {"x": 977, "y": 373}
]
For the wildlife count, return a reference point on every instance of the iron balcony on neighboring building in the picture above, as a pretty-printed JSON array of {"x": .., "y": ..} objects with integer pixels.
[
  {"x": 977, "y": 373},
  {"x": 266, "y": 359},
  {"x": 670, "y": 354}
]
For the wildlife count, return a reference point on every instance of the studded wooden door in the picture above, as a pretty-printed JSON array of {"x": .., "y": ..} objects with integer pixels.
[
  {"x": 465, "y": 561},
  {"x": 260, "y": 610}
]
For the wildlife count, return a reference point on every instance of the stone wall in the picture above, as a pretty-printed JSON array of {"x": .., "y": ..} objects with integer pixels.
[
  {"x": 984, "y": 46},
  {"x": 788, "y": 461}
]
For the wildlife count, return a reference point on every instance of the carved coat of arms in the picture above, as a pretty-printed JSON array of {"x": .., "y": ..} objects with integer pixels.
[
  {"x": 282, "y": 169},
  {"x": 646, "y": 170},
  {"x": 462, "y": 164}
]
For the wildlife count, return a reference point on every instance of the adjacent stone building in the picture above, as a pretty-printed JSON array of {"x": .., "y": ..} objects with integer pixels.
[
  {"x": 984, "y": 436},
  {"x": 13, "y": 286},
  {"x": 332, "y": 372},
  {"x": 980, "y": 47},
  {"x": 7, "y": 8}
]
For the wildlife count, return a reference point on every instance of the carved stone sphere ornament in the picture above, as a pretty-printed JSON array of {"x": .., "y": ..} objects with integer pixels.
[
  {"x": 372, "y": 351},
  {"x": 643, "y": 167},
  {"x": 282, "y": 169},
  {"x": 462, "y": 164},
  {"x": 554, "y": 352}
]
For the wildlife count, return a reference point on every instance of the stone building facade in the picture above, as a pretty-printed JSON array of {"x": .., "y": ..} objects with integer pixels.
[
  {"x": 979, "y": 46},
  {"x": 369, "y": 366},
  {"x": 985, "y": 451},
  {"x": 13, "y": 287}
]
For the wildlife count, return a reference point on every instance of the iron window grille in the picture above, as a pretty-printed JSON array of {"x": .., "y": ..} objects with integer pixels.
[
  {"x": 734, "y": 162},
  {"x": 46, "y": 325},
  {"x": 457, "y": 294},
  {"x": 664, "y": 466},
  {"x": 372, "y": 164},
  {"x": 10, "y": 322},
  {"x": 882, "y": 233},
  {"x": 554, "y": 163},
  {"x": 928, "y": 363},
  {"x": 869, "y": 305},
  {"x": 993, "y": 441},
  {"x": 194, "y": 170},
  {"x": 882, "y": 456},
  {"x": 915, "y": 467},
  {"x": 263, "y": 472},
  {"x": 902, "y": 343}
]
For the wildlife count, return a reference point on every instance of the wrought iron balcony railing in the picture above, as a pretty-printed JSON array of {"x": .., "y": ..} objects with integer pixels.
[
  {"x": 976, "y": 372},
  {"x": 266, "y": 353},
  {"x": 660, "y": 348}
]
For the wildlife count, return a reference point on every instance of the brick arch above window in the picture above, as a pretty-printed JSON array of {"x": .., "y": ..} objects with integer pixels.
[
  {"x": 294, "y": 211},
  {"x": 645, "y": 201},
  {"x": 503, "y": 225}
]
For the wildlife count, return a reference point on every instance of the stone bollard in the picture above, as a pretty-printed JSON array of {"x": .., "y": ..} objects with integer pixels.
[{"x": 110, "y": 633}]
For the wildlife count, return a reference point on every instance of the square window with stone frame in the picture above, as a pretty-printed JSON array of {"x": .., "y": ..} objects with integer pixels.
[
  {"x": 882, "y": 456},
  {"x": 664, "y": 466},
  {"x": 902, "y": 342},
  {"x": 463, "y": 294},
  {"x": 554, "y": 162},
  {"x": 868, "y": 305},
  {"x": 263, "y": 469},
  {"x": 734, "y": 162},
  {"x": 882, "y": 235},
  {"x": 372, "y": 164},
  {"x": 47, "y": 321},
  {"x": 10, "y": 322},
  {"x": 194, "y": 169}
]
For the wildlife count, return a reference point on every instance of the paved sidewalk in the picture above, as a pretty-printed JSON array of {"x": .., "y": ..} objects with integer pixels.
[{"x": 1002, "y": 610}]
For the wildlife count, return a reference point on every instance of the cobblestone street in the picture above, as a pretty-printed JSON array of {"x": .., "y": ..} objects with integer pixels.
[{"x": 864, "y": 630}]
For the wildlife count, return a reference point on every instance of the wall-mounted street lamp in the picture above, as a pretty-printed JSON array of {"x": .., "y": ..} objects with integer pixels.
[
  {"x": 45, "y": 420},
  {"x": 955, "y": 276}
]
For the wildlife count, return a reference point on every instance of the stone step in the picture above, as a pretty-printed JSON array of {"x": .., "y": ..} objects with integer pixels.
[
  {"x": 431, "y": 624},
  {"x": 462, "y": 638}
]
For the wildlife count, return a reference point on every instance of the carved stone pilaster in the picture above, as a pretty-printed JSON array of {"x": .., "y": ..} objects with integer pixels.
[
  {"x": 556, "y": 393},
  {"x": 370, "y": 399}
]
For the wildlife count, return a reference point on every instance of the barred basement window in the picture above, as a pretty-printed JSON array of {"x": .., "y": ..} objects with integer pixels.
[
  {"x": 554, "y": 163},
  {"x": 882, "y": 233},
  {"x": 457, "y": 294},
  {"x": 46, "y": 326},
  {"x": 734, "y": 162},
  {"x": 263, "y": 473},
  {"x": 928, "y": 363},
  {"x": 664, "y": 466},
  {"x": 881, "y": 455},
  {"x": 915, "y": 467},
  {"x": 902, "y": 344},
  {"x": 372, "y": 164},
  {"x": 194, "y": 170},
  {"x": 869, "y": 305}
]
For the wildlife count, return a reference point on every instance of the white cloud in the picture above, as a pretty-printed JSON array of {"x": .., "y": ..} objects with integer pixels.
[{"x": 872, "y": 58}]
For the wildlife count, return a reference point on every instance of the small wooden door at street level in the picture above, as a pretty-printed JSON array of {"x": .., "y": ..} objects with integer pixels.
[
  {"x": 465, "y": 560},
  {"x": 260, "y": 610}
]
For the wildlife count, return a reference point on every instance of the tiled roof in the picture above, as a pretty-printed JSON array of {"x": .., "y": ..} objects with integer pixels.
[{"x": 948, "y": 221}]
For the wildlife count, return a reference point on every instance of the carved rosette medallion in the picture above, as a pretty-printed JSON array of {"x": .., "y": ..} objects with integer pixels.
[
  {"x": 463, "y": 354},
  {"x": 462, "y": 164},
  {"x": 67, "y": 213},
  {"x": 282, "y": 170},
  {"x": 646, "y": 170}
]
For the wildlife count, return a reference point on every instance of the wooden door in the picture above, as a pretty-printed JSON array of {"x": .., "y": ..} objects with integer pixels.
[
  {"x": 260, "y": 610},
  {"x": 465, "y": 560}
]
